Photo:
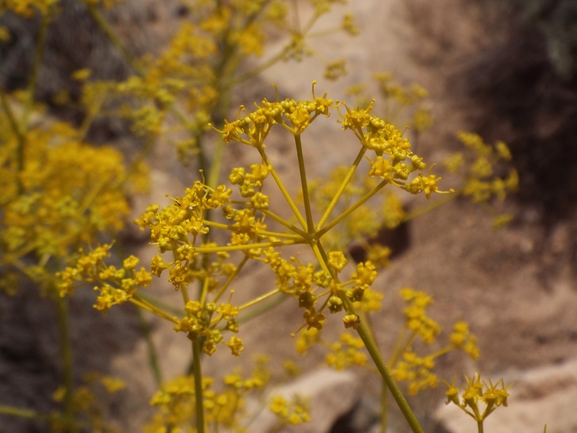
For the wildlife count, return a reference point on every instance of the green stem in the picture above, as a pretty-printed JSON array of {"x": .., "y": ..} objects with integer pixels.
[
  {"x": 402, "y": 349},
  {"x": 384, "y": 407},
  {"x": 37, "y": 62},
  {"x": 197, "y": 372},
  {"x": 259, "y": 299},
  {"x": 373, "y": 350},
  {"x": 215, "y": 168},
  {"x": 364, "y": 332},
  {"x": 263, "y": 308},
  {"x": 113, "y": 37},
  {"x": 257, "y": 70},
  {"x": 231, "y": 278},
  {"x": 66, "y": 356},
  {"x": 432, "y": 206},
  {"x": 140, "y": 302},
  {"x": 20, "y": 137},
  {"x": 303, "y": 175},
  {"x": 396, "y": 348},
  {"x": 152, "y": 353},
  {"x": 22, "y": 413},
  {"x": 138, "y": 160},
  {"x": 480, "y": 426},
  {"x": 283, "y": 190},
  {"x": 353, "y": 208},
  {"x": 243, "y": 247},
  {"x": 341, "y": 189},
  {"x": 284, "y": 223},
  {"x": 161, "y": 305}
]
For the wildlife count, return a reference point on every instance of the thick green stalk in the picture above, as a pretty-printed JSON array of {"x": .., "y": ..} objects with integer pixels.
[
  {"x": 197, "y": 372},
  {"x": 365, "y": 334},
  {"x": 384, "y": 407},
  {"x": 373, "y": 350}
]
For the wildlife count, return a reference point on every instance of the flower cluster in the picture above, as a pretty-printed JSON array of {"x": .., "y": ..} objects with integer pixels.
[
  {"x": 177, "y": 226},
  {"x": 416, "y": 371},
  {"x": 479, "y": 399},
  {"x": 58, "y": 194},
  {"x": 406, "y": 365},
  {"x": 416, "y": 315},
  {"x": 295, "y": 116},
  {"x": 462, "y": 339},
  {"x": 394, "y": 160},
  {"x": 224, "y": 408},
  {"x": 292, "y": 412},
  {"x": 91, "y": 401},
  {"x": 402, "y": 104},
  {"x": 346, "y": 352},
  {"x": 481, "y": 182},
  {"x": 115, "y": 286}
]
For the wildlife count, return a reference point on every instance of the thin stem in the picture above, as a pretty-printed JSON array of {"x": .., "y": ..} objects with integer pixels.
[
  {"x": 20, "y": 137},
  {"x": 150, "y": 142},
  {"x": 283, "y": 190},
  {"x": 152, "y": 353},
  {"x": 37, "y": 62},
  {"x": 113, "y": 37},
  {"x": 402, "y": 349},
  {"x": 198, "y": 393},
  {"x": 231, "y": 278},
  {"x": 284, "y": 223},
  {"x": 145, "y": 305},
  {"x": 23, "y": 413},
  {"x": 261, "y": 233},
  {"x": 160, "y": 304},
  {"x": 432, "y": 206},
  {"x": 305, "y": 189},
  {"x": 341, "y": 189},
  {"x": 263, "y": 308},
  {"x": 66, "y": 357},
  {"x": 257, "y": 70},
  {"x": 259, "y": 299},
  {"x": 246, "y": 246},
  {"x": 204, "y": 288},
  {"x": 354, "y": 207},
  {"x": 397, "y": 347}
]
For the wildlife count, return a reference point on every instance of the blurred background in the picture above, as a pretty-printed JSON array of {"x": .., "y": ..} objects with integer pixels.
[{"x": 506, "y": 70}]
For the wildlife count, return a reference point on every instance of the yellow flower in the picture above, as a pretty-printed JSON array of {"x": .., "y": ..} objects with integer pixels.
[
  {"x": 337, "y": 260},
  {"x": 235, "y": 345}
]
